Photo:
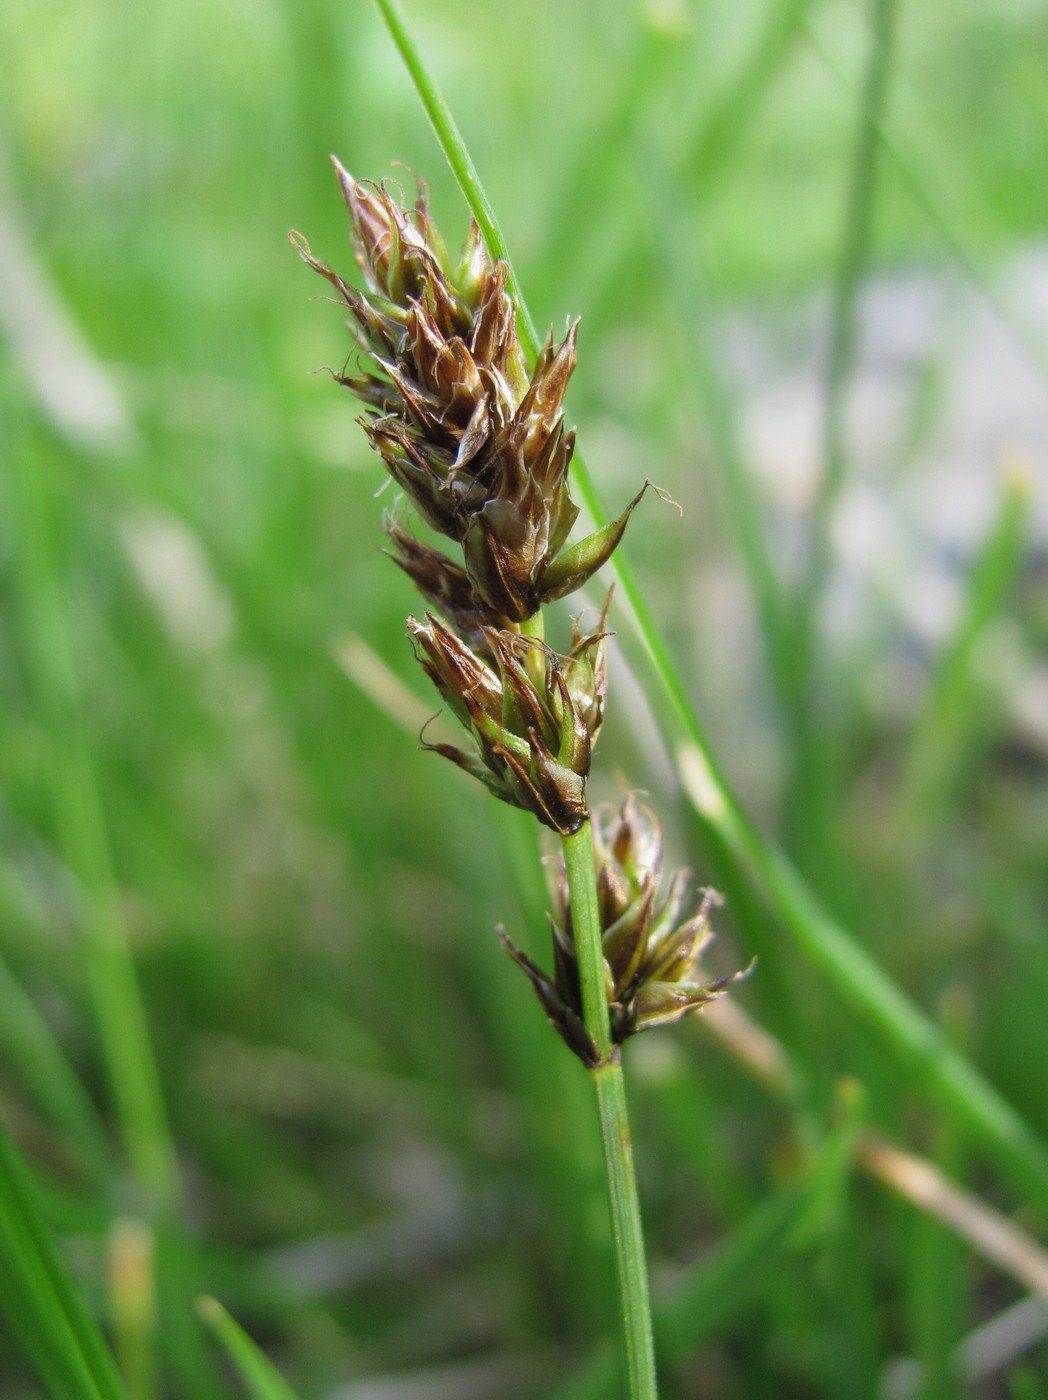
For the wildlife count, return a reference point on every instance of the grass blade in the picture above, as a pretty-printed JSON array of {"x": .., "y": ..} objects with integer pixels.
[
  {"x": 670, "y": 223},
  {"x": 591, "y": 185},
  {"x": 37, "y": 1296},
  {"x": 262, "y": 1380},
  {"x": 709, "y": 152},
  {"x": 939, "y": 732},
  {"x": 29, "y": 1045},
  {"x": 723, "y": 1283},
  {"x": 701, "y": 154},
  {"x": 937, "y": 1289},
  {"x": 936, "y": 1068},
  {"x": 133, "y": 1305},
  {"x": 84, "y": 840},
  {"x": 851, "y": 269},
  {"x": 809, "y": 804},
  {"x": 926, "y": 191}
]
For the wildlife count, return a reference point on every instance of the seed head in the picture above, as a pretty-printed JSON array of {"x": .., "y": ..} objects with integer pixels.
[
  {"x": 478, "y": 445},
  {"x": 533, "y": 716},
  {"x": 651, "y": 954}
]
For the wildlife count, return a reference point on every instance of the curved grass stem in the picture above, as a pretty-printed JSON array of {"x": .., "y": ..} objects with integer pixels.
[{"x": 623, "y": 1203}]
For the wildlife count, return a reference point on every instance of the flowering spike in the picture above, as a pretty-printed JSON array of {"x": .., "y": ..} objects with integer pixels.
[
  {"x": 573, "y": 566},
  {"x": 531, "y": 744},
  {"x": 481, "y": 448},
  {"x": 650, "y": 960},
  {"x": 476, "y": 442}
]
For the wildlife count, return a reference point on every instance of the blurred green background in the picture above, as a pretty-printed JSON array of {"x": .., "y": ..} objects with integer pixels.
[{"x": 387, "y": 1163}]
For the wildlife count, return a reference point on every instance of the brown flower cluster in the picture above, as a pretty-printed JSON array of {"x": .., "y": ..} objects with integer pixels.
[
  {"x": 481, "y": 449},
  {"x": 534, "y": 715},
  {"x": 651, "y": 952}
]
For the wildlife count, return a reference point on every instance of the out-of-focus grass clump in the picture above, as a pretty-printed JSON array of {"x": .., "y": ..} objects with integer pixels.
[{"x": 360, "y": 1135}]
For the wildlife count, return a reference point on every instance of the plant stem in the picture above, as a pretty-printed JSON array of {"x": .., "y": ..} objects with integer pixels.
[
  {"x": 534, "y": 628},
  {"x": 623, "y": 1204},
  {"x": 458, "y": 158},
  {"x": 589, "y": 948}
]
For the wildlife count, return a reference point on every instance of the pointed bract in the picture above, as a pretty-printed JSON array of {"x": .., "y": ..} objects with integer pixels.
[
  {"x": 575, "y": 565},
  {"x": 564, "y": 1019},
  {"x": 444, "y": 585}
]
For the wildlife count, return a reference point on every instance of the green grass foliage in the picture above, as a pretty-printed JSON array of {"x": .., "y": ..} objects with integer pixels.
[{"x": 258, "y": 1042}]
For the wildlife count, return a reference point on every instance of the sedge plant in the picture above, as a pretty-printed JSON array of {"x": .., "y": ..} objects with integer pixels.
[{"x": 476, "y": 441}]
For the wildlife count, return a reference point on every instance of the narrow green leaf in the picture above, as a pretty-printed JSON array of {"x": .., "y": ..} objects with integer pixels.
[
  {"x": 811, "y": 799},
  {"x": 734, "y": 1272},
  {"x": 83, "y": 836},
  {"x": 43, "y": 1309},
  {"x": 591, "y": 197},
  {"x": 133, "y": 1305},
  {"x": 853, "y": 1349},
  {"x": 853, "y": 258},
  {"x": 701, "y": 153},
  {"x": 937, "y": 1287},
  {"x": 262, "y": 1380},
  {"x": 28, "y": 1044},
  {"x": 941, "y": 729},
  {"x": 921, "y": 171},
  {"x": 670, "y": 221},
  {"x": 708, "y": 150}
]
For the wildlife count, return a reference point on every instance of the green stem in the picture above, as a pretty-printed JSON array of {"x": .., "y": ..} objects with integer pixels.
[
  {"x": 623, "y": 1204},
  {"x": 534, "y": 628},
  {"x": 458, "y": 157}
]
